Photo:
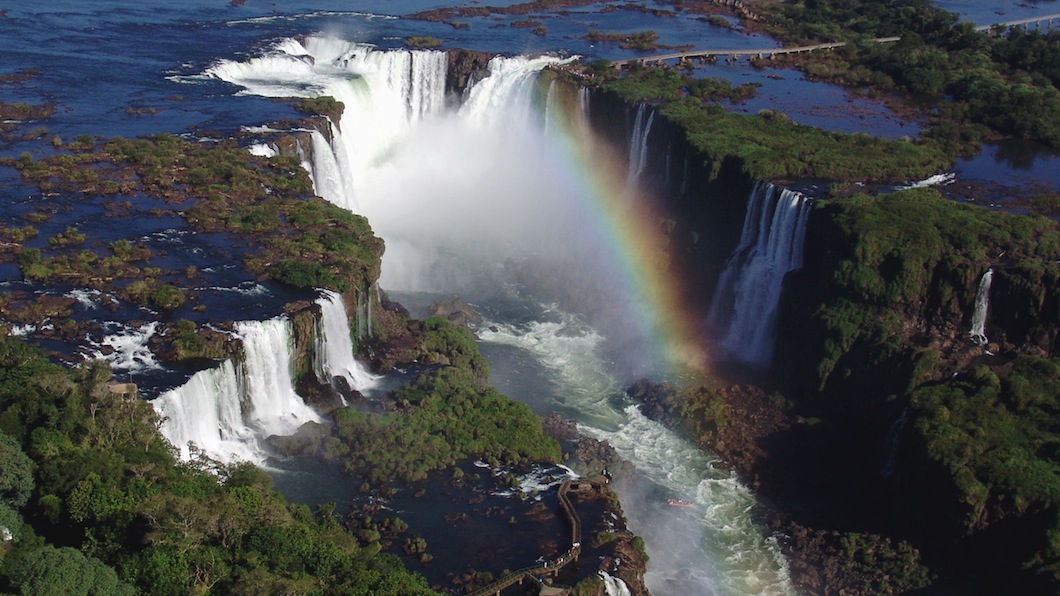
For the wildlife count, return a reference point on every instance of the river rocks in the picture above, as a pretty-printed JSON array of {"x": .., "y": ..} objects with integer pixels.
[
  {"x": 559, "y": 428},
  {"x": 739, "y": 423},
  {"x": 458, "y": 311}
]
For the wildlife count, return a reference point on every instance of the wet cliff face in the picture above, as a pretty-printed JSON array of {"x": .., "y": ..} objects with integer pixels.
[
  {"x": 703, "y": 202},
  {"x": 889, "y": 287}
]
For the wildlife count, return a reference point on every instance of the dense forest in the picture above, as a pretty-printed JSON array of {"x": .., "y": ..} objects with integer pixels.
[
  {"x": 981, "y": 84},
  {"x": 100, "y": 506}
]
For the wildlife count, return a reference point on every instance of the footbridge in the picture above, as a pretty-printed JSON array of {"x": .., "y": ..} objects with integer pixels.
[
  {"x": 1047, "y": 20},
  {"x": 551, "y": 567},
  {"x": 731, "y": 54},
  {"x": 768, "y": 53}
]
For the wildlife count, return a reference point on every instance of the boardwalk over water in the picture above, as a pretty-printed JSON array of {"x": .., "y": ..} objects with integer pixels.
[
  {"x": 772, "y": 52},
  {"x": 552, "y": 566}
]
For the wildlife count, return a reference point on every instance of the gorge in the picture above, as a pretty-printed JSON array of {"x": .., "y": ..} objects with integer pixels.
[{"x": 604, "y": 230}]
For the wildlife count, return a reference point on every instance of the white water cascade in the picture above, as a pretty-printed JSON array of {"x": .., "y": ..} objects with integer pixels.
[
  {"x": 334, "y": 347},
  {"x": 638, "y": 145},
  {"x": 454, "y": 188},
  {"x": 982, "y": 305},
  {"x": 383, "y": 93},
  {"x": 322, "y": 161},
  {"x": 225, "y": 412},
  {"x": 714, "y": 547},
  {"x": 614, "y": 586},
  {"x": 743, "y": 312}
]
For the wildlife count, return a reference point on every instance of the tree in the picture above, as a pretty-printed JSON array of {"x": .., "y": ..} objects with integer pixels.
[
  {"x": 16, "y": 473},
  {"x": 50, "y": 570}
]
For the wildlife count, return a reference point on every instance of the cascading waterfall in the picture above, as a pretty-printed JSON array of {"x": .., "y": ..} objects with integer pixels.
[
  {"x": 226, "y": 411},
  {"x": 638, "y": 145},
  {"x": 383, "y": 93},
  {"x": 743, "y": 312},
  {"x": 614, "y": 586},
  {"x": 505, "y": 95},
  {"x": 330, "y": 179},
  {"x": 471, "y": 181},
  {"x": 334, "y": 348},
  {"x": 982, "y": 305}
]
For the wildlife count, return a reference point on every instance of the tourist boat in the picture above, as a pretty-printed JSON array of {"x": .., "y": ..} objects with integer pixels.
[{"x": 679, "y": 503}]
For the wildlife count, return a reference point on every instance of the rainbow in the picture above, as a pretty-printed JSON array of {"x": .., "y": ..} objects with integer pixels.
[{"x": 628, "y": 221}]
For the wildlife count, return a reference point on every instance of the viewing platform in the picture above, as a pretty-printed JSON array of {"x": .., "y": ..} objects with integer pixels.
[{"x": 551, "y": 567}]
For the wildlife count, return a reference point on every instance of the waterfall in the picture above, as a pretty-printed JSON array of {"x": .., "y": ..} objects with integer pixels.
[
  {"x": 890, "y": 444},
  {"x": 334, "y": 347},
  {"x": 982, "y": 304},
  {"x": 330, "y": 179},
  {"x": 638, "y": 145},
  {"x": 463, "y": 191},
  {"x": 225, "y": 412},
  {"x": 614, "y": 585},
  {"x": 383, "y": 93},
  {"x": 743, "y": 312},
  {"x": 505, "y": 95}
]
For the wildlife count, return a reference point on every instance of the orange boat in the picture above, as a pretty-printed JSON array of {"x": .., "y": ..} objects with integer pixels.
[{"x": 679, "y": 503}]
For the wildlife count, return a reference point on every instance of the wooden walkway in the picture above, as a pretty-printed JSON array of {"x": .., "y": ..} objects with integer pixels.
[
  {"x": 552, "y": 566},
  {"x": 771, "y": 52},
  {"x": 1036, "y": 21}
]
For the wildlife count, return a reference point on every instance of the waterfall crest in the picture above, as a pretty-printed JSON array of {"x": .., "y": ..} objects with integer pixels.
[
  {"x": 226, "y": 411},
  {"x": 982, "y": 305},
  {"x": 505, "y": 94},
  {"x": 743, "y": 312},
  {"x": 384, "y": 93},
  {"x": 334, "y": 347}
]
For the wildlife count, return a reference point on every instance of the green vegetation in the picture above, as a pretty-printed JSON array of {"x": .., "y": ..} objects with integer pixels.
[
  {"x": 996, "y": 439},
  {"x": 108, "y": 510},
  {"x": 422, "y": 41},
  {"x": 715, "y": 89},
  {"x": 911, "y": 255},
  {"x": 298, "y": 239},
  {"x": 324, "y": 106},
  {"x": 25, "y": 111},
  {"x": 449, "y": 413},
  {"x": 640, "y": 40},
  {"x": 858, "y": 562},
  {"x": 1005, "y": 81},
  {"x": 880, "y": 315},
  {"x": 769, "y": 146}
]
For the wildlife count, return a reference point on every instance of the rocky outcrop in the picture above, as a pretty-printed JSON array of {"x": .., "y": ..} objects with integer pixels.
[
  {"x": 465, "y": 67},
  {"x": 457, "y": 310}
]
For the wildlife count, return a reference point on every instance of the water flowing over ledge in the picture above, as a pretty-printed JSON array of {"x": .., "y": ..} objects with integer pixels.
[
  {"x": 744, "y": 309},
  {"x": 334, "y": 346},
  {"x": 225, "y": 412},
  {"x": 982, "y": 306}
]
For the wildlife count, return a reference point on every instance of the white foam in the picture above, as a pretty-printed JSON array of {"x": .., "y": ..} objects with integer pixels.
[
  {"x": 263, "y": 150},
  {"x": 936, "y": 180},
  {"x": 130, "y": 347},
  {"x": 715, "y": 546},
  {"x": 22, "y": 330},
  {"x": 87, "y": 298}
]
